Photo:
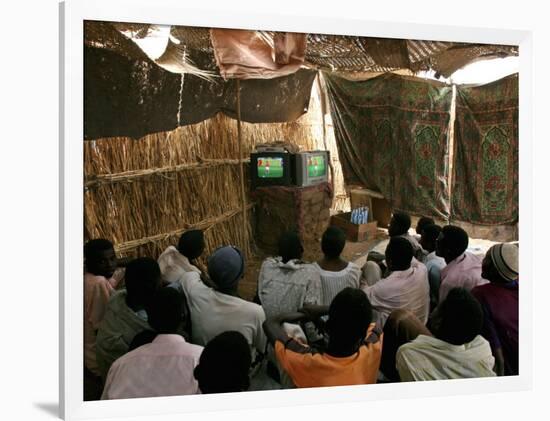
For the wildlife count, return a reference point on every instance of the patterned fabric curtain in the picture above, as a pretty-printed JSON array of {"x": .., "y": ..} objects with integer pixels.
[
  {"x": 485, "y": 170},
  {"x": 392, "y": 135}
]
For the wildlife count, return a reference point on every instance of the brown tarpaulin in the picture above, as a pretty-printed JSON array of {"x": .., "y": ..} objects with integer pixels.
[
  {"x": 243, "y": 54},
  {"x": 127, "y": 97}
]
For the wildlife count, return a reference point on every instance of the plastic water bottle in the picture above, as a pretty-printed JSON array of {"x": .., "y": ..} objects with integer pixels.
[
  {"x": 366, "y": 215},
  {"x": 354, "y": 216}
]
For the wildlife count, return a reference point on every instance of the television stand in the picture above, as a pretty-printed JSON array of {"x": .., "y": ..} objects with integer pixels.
[{"x": 283, "y": 208}]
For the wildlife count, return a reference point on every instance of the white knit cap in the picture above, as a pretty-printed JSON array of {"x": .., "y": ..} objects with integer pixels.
[{"x": 505, "y": 257}]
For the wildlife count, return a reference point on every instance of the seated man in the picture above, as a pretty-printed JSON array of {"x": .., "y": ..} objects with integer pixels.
[
  {"x": 126, "y": 313},
  {"x": 499, "y": 301},
  {"x": 406, "y": 287},
  {"x": 336, "y": 273},
  {"x": 215, "y": 310},
  {"x": 423, "y": 221},
  {"x": 400, "y": 223},
  {"x": 100, "y": 281},
  {"x": 175, "y": 262},
  {"x": 455, "y": 351},
  {"x": 163, "y": 367},
  {"x": 463, "y": 268},
  {"x": 433, "y": 262},
  {"x": 224, "y": 364},
  {"x": 353, "y": 352},
  {"x": 285, "y": 283}
]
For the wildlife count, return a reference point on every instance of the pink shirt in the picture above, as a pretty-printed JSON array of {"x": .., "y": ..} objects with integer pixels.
[
  {"x": 162, "y": 368},
  {"x": 97, "y": 291},
  {"x": 463, "y": 272},
  {"x": 402, "y": 289}
]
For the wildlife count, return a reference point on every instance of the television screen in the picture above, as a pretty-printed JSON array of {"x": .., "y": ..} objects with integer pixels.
[
  {"x": 270, "y": 167},
  {"x": 310, "y": 167},
  {"x": 316, "y": 166}
]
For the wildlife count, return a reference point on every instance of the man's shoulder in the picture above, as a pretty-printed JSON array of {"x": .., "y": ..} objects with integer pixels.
[
  {"x": 420, "y": 343},
  {"x": 192, "y": 280},
  {"x": 479, "y": 342},
  {"x": 482, "y": 290},
  {"x": 251, "y": 307},
  {"x": 117, "y": 301},
  {"x": 472, "y": 259}
]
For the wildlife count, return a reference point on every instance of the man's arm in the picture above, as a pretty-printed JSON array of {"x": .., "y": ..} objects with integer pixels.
[
  {"x": 314, "y": 312},
  {"x": 273, "y": 327},
  {"x": 499, "y": 362}
]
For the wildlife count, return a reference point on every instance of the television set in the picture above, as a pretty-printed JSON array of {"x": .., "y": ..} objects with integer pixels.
[
  {"x": 270, "y": 168},
  {"x": 311, "y": 167}
]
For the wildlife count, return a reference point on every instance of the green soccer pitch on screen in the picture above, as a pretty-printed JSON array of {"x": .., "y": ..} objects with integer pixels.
[
  {"x": 316, "y": 166},
  {"x": 270, "y": 167}
]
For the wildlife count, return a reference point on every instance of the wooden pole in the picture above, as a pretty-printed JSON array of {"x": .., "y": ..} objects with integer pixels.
[
  {"x": 241, "y": 166},
  {"x": 322, "y": 99}
]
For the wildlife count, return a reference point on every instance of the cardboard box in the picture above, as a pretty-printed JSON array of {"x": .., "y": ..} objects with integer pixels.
[
  {"x": 379, "y": 207},
  {"x": 354, "y": 232}
]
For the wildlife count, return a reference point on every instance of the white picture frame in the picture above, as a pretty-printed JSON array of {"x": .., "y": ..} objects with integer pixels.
[{"x": 72, "y": 15}]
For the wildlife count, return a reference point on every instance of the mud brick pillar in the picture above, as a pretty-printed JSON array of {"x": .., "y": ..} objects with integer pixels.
[{"x": 303, "y": 209}]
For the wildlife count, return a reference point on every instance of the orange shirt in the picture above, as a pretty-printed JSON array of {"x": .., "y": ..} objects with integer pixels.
[{"x": 309, "y": 369}]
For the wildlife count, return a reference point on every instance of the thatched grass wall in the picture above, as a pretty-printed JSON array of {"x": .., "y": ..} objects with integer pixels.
[{"x": 143, "y": 193}]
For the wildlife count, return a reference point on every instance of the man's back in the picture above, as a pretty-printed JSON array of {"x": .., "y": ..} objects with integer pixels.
[
  {"x": 334, "y": 282},
  {"x": 500, "y": 328},
  {"x": 286, "y": 287},
  {"x": 405, "y": 289},
  {"x": 161, "y": 368},
  {"x": 308, "y": 368},
  {"x": 119, "y": 326},
  {"x": 429, "y": 358},
  {"x": 462, "y": 272},
  {"x": 213, "y": 312}
]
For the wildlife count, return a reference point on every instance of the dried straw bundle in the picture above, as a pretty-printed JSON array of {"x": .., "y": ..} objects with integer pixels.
[{"x": 144, "y": 210}]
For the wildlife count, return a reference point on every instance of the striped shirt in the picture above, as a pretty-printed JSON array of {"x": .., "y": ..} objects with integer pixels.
[{"x": 334, "y": 282}]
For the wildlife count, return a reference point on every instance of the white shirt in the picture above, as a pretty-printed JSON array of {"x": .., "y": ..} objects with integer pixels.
[
  {"x": 162, "y": 368},
  {"x": 334, "y": 282},
  {"x": 213, "y": 312},
  {"x": 403, "y": 289},
  {"x": 429, "y": 358},
  {"x": 173, "y": 265}
]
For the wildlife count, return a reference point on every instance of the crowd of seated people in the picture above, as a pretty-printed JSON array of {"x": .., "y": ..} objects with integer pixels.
[{"x": 427, "y": 309}]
